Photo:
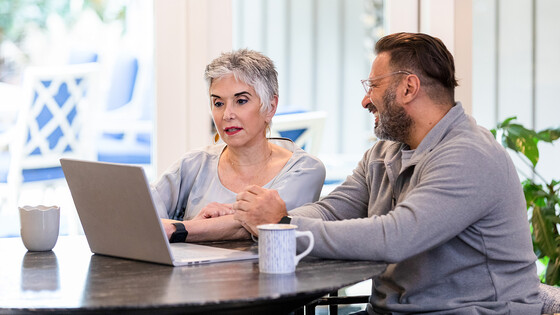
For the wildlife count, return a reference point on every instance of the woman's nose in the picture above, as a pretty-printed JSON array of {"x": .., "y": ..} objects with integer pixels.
[{"x": 228, "y": 112}]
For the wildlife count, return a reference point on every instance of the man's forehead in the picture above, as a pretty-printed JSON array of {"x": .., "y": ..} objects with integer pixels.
[{"x": 380, "y": 64}]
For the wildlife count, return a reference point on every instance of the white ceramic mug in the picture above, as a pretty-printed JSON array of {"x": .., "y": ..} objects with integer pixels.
[
  {"x": 39, "y": 226},
  {"x": 277, "y": 247}
]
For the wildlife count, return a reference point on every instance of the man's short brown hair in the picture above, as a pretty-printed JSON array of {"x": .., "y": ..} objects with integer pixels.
[{"x": 425, "y": 56}]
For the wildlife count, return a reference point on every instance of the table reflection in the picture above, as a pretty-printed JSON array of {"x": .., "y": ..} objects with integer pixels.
[
  {"x": 277, "y": 283},
  {"x": 70, "y": 279},
  {"x": 105, "y": 274},
  {"x": 39, "y": 271},
  {"x": 43, "y": 279}
]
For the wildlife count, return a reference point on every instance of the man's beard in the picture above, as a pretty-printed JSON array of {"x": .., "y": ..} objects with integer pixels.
[{"x": 394, "y": 123}]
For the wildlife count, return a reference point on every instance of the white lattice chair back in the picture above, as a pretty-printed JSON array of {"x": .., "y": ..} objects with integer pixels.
[
  {"x": 50, "y": 122},
  {"x": 305, "y": 129}
]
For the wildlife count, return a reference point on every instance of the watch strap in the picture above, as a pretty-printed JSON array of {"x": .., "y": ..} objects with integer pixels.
[
  {"x": 180, "y": 235},
  {"x": 285, "y": 220}
]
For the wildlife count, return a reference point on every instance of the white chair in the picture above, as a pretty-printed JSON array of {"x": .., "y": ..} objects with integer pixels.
[
  {"x": 124, "y": 125},
  {"x": 305, "y": 129},
  {"x": 49, "y": 126}
]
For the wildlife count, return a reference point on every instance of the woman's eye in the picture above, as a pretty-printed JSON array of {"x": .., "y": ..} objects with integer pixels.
[
  {"x": 218, "y": 104},
  {"x": 242, "y": 101}
]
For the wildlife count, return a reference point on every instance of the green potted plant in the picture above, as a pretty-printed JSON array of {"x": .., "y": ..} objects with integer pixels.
[{"x": 542, "y": 196}]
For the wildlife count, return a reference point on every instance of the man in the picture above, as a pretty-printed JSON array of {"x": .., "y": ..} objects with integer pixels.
[{"x": 437, "y": 198}]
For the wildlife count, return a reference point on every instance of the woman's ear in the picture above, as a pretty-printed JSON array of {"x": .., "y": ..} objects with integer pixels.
[{"x": 272, "y": 111}]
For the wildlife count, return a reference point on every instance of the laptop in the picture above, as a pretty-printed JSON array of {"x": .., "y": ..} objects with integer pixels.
[{"x": 119, "y": 219}]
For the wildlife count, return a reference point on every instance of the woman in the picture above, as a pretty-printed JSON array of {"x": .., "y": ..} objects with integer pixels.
[{"x": 199, "y": 189}]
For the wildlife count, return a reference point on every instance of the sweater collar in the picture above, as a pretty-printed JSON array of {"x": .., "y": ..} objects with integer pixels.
[{"x": 438, "y": 132}]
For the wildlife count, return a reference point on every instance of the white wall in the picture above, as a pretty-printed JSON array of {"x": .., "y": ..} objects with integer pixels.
[
  {"x": 189, "y": 34},
  {"x": 450, "y": 21}
]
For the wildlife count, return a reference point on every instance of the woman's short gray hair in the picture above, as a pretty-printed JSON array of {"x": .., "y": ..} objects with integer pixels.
[{"x": 250, "y": 67}]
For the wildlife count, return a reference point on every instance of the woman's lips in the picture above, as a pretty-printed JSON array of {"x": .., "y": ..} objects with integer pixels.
[{"x": 232, "y": 130}]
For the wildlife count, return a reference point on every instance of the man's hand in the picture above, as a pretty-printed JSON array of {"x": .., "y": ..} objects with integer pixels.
[
  {"x": 214, "y": 210},
  {"x": 256, "y": 205}
]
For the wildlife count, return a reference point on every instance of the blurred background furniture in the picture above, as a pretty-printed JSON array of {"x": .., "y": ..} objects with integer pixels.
[
  {"x": 49, "y": 126},
  {"x": 124, "y": 127},
  {"x": 304, "y": 128}
]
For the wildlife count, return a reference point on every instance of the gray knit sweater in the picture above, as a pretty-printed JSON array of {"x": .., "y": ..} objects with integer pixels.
[{"x": 450, "y": 220}]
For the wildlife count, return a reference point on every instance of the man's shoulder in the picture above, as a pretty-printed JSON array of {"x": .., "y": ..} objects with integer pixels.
[
  {"x": 382, "y": 149},
  {"x": 473, "y": 142}
]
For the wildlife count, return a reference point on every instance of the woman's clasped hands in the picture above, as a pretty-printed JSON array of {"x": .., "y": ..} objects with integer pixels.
[{"x": 214, "y": 210}]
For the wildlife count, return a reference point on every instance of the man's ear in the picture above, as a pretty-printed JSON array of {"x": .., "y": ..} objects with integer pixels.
[
  {"x": 411, "y": 88},
  {"x": 273, "y": 107}
]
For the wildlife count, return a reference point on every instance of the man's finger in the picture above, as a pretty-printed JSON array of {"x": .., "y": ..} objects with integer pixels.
[
  {"x": 240, "y": 216},
  {"x": 239, "y": 196},
  {"x": 244, "y": 195},
  {"x": 241, "y": 205},
  {"x": 254, "y": 189}
]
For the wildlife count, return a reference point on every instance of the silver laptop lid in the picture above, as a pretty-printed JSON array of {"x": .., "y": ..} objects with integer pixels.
[{"x": 116, "y": 209}]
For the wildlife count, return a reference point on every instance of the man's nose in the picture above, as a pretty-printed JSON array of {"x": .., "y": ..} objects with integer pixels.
[{"x": 365, "y": 101}]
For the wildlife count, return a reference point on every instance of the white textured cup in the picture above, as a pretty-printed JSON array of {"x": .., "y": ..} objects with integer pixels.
[
  {"x": 277, "y": 247},
  {"x": 39, "y": 226}
]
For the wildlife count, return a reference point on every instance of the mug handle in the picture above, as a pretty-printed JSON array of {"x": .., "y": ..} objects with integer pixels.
[{"x": 309, "y": 248}]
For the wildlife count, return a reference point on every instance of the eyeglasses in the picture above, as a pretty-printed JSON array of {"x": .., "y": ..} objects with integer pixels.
[{"x": 369, "y": 82}]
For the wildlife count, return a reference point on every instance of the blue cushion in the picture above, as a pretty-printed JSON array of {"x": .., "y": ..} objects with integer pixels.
[
  {"x": 29, "y": 175},
  {"x": 290, "y": 110},
  {"x": 123, "y": 81},
  {"x": 293, "y": 134},
  {"x": 4, "y": 166},
  {"x": 111, "y": 149},
  {"x": 82, "y": 56}
]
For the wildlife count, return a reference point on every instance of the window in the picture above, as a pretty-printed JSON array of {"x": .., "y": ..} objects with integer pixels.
[
  {"x": 38, "y": 33},
  {"x": 322, "y": 49}
]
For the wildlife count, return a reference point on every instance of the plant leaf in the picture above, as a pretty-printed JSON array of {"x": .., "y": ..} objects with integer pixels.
[
  {"x": 506, "y": 122},
  {"x": 544, "y": 231},
  {"x": 549, "y": 135},
  {"x": 523, "y": 140},
  {"x": 534, "y": 194},
  {"x": 553, "y": 271}
]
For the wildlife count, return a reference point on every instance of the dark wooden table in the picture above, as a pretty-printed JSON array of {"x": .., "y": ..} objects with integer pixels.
[{"x": 70, "y": 279}]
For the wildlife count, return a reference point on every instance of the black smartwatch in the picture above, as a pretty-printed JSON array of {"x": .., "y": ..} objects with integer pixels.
[
  {"x": 285, "y": 219},
  {"x": 180, "y": 235}
]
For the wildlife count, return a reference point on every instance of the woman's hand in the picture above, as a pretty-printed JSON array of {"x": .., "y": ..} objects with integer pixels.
[
  {"x": 169, "y": 227},
  {"x": 213, "y": 210}
]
